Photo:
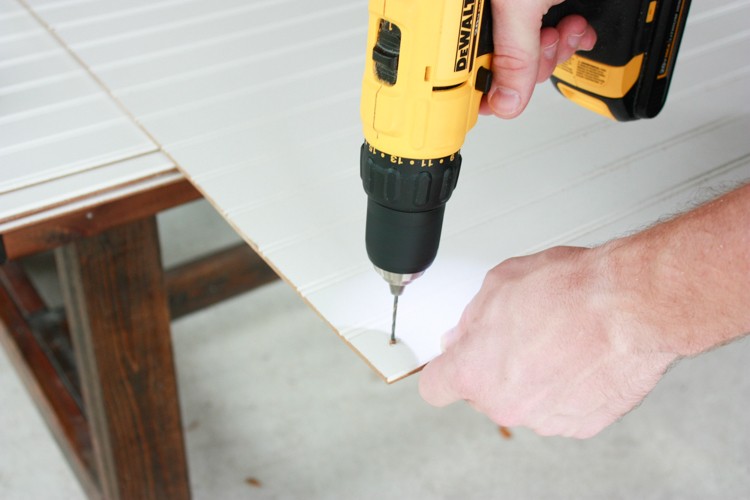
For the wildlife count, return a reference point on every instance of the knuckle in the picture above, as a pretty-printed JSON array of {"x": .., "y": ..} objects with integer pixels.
[
  {"x": 508, "y": 267},
  {"x": 511, "y": 60},
  {"x": 494, "y": 274},
  {"x": 561, "y": 252}
]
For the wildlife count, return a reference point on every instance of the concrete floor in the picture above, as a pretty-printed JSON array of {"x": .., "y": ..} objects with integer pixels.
[{"x": 277, "y": 407}]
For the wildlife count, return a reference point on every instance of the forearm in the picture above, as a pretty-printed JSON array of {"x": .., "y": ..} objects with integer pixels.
[{"x": 693, "y": 272}]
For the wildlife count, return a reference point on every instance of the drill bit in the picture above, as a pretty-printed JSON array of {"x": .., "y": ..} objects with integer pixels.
[
  {"x": 393, "y": 324},
  {"x": 396, "y": 282}
]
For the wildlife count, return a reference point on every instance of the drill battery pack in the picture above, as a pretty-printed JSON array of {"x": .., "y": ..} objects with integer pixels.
[{"x": 627, "y": 74}]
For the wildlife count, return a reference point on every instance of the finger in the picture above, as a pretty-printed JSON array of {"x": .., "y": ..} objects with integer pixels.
[
  {"x": 575, "y": 34},
  {"x": 549, "y": 40},
  {"x": 437, "y": 382},
  {"x": 515, "y": 63}
]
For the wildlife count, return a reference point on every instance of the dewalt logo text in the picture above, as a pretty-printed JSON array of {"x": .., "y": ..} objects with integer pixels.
[{"x": 466, "y": 35}]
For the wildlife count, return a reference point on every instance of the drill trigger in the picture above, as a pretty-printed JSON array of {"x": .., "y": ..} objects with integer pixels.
[{"x": 483, "y": 82}]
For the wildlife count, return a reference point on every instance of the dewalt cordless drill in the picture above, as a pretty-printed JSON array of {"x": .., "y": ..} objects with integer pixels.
[{"x": 427, "y": 67}]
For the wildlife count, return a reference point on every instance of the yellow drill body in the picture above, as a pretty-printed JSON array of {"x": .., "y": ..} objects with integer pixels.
[{"x": 427, "y": 112}]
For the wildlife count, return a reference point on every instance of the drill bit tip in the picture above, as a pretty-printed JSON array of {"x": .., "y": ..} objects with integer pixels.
[{"x": 393, "y": 324}]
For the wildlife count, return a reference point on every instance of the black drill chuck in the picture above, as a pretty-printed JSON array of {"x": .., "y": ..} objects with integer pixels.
[{"x": 406, "y": 203}]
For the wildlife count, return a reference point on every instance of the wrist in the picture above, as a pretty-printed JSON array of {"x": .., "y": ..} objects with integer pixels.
[
  {"x": 684, "y": 281},
  {"x": 647, "y": 292}
]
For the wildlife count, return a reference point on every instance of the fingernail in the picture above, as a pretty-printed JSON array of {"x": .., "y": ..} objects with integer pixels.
[
  {"x": 550, "y": 51},
  {"x": 504, "y": 102},
  {"x": 588, "y": 46},
  {"x": 575, "y": 40}
]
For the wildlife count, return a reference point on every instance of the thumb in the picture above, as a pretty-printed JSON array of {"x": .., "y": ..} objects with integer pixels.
[
  {"x": 515, "y": 64},
  {"x": 437, "y": 382}
]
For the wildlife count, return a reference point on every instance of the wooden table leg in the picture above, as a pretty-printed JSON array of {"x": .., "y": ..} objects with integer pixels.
[
  {"x": 119, "y": 319},
  {"x": 50, "y": 390}
]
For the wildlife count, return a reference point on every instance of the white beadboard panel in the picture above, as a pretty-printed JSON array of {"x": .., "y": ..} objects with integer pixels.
[
  {"x": 253, "y": 36},
  {"x": 704, "y": 69},
  {"x": 43, "y": 97},
  {"x": 714, "y": 25},
  {"x": 15, "y": 25},
  {"x": 69, "y": 153},
  {"x": 261, "y": 112},
  {"x": 277, "y": 183},
  {"x": 728, "y": 34},
  {"x": 34, "y": 71},
  {"x": 8, "y": 8},
  {"x": 131, "y": 24},
  {"x": 253, "y": 24},
  {"x": 248, "y": 106},
  {"x": 55, "y": 120},
  {"x": 61, "y": 191},
  {"x": 712, "y": 8},
  {"x": 93, "y": 199},
  {"x": 36, "y": 46},
  {"x": 200, "y": 88},
  {"x": 674, "y": 201},
  {"x": 33, "y": 129},
  {"x": 230, "y": 152},
  {"x": 345, "y": 235},
  {"x": 280, "y": 222},
  {"x": 69, "y": 12}
]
